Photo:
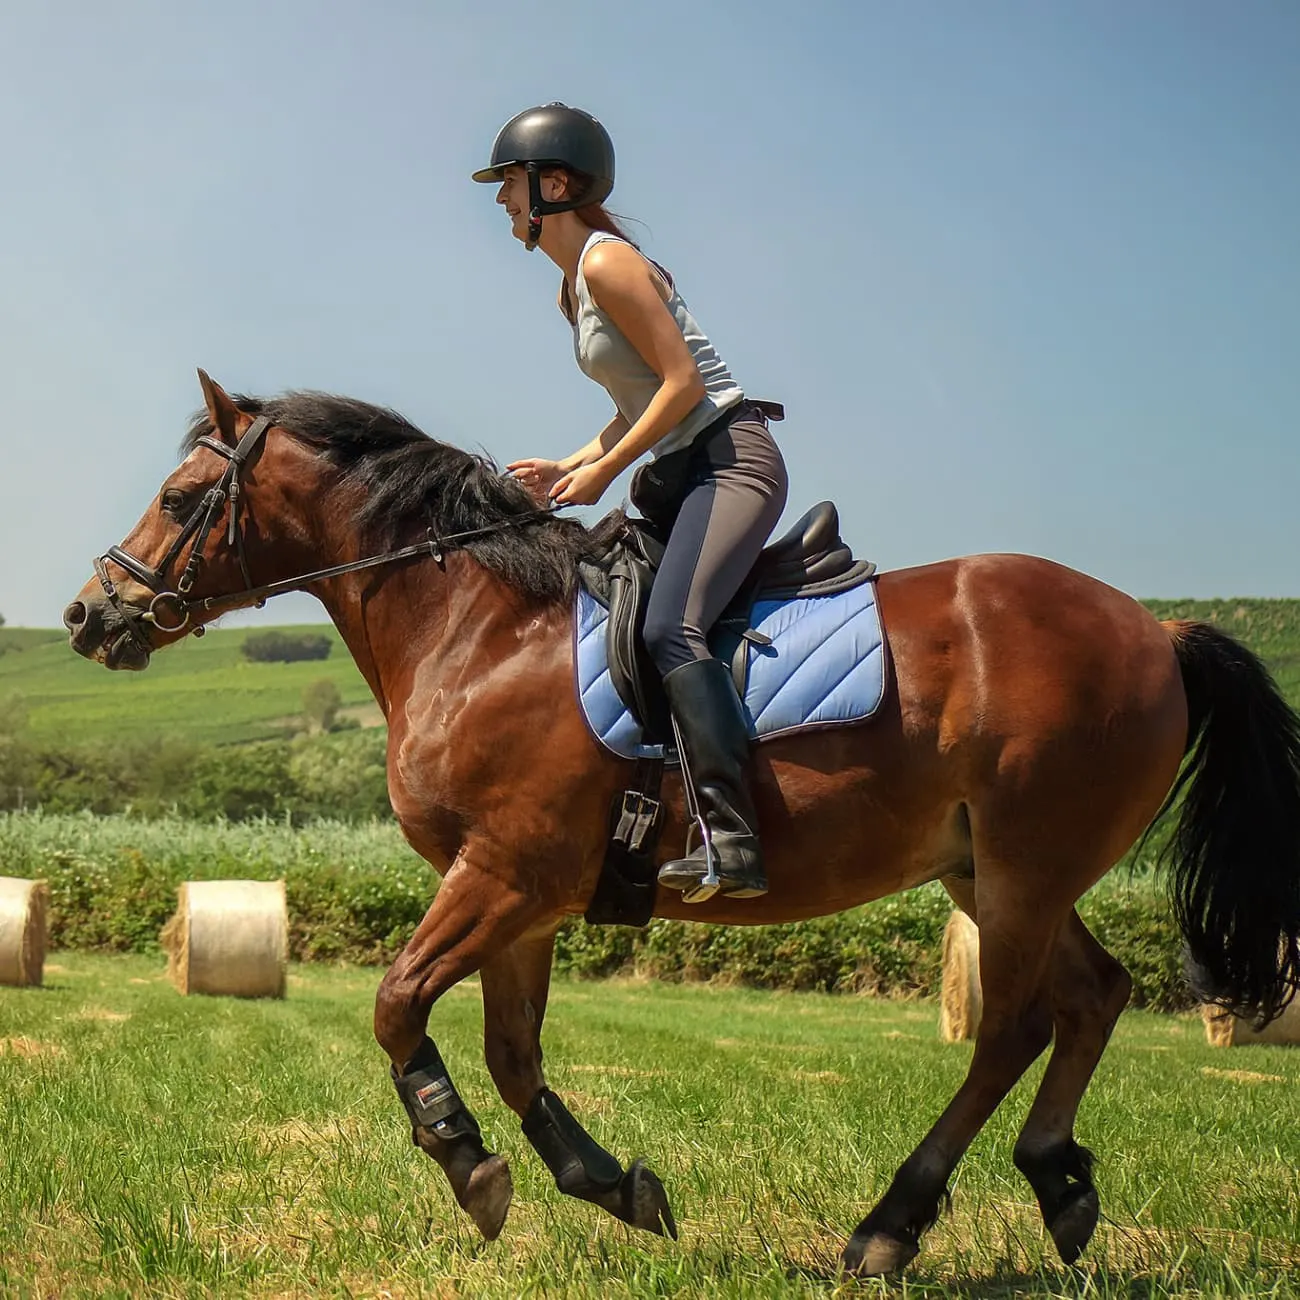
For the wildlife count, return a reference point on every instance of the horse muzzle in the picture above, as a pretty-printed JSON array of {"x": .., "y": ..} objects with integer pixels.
[{"x": 97, "y": 631}]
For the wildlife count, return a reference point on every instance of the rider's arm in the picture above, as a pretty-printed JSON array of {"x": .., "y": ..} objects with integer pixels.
[
  {"x": 608, "y": 437},
  {"x": 631, "y": 293}
]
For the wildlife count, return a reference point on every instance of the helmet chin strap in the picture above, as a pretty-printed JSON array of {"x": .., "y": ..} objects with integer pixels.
[
  {"x": 539, "y": 207},
  {"x": 535, "y": 205}
]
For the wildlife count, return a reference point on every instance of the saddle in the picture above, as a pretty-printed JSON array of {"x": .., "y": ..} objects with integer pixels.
[{"x": 810, "y": 559}]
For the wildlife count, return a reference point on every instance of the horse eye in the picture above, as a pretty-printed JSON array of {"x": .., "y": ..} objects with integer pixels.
[{"x": 172, "y": 501}]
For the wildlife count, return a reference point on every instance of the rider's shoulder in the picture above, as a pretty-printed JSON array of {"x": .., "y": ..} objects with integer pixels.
[{"x": 612, "y": 262}]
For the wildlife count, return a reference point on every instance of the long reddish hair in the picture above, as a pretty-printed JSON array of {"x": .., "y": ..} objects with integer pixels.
[{"x": 598, "y": 217}]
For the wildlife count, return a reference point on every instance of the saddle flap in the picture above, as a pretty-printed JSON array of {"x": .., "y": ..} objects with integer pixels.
[{"x": 630, "y": 667}]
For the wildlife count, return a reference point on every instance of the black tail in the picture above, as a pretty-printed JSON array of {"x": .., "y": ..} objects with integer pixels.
[{"x": 1234, "y": 859}]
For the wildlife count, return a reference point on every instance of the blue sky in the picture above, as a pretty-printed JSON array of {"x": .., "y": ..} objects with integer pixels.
[{"x": 1026, "y": 275}]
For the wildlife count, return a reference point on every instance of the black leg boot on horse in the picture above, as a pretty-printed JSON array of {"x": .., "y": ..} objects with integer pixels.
[
  {"x": 713, "y": 741},
  {"x": 443, "y": 1127}
]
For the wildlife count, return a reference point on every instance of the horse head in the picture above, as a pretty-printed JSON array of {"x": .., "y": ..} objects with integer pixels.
[{"x": 191, "y": 556}]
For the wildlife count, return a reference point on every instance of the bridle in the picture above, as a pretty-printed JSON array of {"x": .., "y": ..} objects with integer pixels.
[{"x": 197, "y": 529}]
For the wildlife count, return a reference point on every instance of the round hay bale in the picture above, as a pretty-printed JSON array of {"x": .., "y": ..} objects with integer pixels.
[
  {"x": 23, "y": 908},
  {"x": 229, "y": 938},
  {"x": 961, "y": 1002},
  {"x": 1223, "y": 1029}
]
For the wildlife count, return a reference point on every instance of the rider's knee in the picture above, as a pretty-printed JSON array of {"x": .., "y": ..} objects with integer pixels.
[{"x": 667, "y": 643}]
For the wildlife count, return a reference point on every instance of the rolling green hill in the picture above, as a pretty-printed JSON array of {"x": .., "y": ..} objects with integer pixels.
[
  {"x": 23, "y": 638},
  {"x": 205, "y": 691},
  {"x": 202, "y": 689}
]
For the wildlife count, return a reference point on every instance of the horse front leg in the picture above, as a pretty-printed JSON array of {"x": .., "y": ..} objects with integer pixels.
[
  {"x": 473, "y": 916},
  {"x": 515, "y": 986}
]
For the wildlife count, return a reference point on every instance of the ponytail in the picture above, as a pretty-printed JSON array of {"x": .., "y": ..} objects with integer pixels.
[{"x": 599, "y": 217}]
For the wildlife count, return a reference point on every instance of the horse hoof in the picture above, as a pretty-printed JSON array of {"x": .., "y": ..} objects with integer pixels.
[
  {"x": 1073, "y": 1227},
  {"x": 645, "y": 1203},
  {"x": 876, "y": 1254},
  {"x": 487, "y": 1196}
]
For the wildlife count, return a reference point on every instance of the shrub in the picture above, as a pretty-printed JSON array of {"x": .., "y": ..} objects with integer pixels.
[
  {"x": 240, "y": 782},
  {"x": 285, "y": 647},
  {"x": 321, "y": 702},
  {"x": 357, "y": 892},
  {"x": 335, "y": 776},
  {"x": 344, "y": 776}
]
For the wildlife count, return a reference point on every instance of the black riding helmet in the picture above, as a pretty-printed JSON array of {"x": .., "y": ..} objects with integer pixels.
[{"x": 553, "y": 135}]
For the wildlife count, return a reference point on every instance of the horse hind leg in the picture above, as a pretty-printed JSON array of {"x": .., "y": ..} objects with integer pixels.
[
  {"x": 1017, "y": 938},
  {"x": 1089, "y": 989},
  {"x": 515, "y": 986}
]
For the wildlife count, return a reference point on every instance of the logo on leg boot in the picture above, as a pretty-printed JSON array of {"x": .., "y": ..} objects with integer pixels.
[{"x": 431, "y": 1095}]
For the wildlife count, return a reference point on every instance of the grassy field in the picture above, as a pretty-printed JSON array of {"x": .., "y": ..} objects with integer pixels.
[
  {"x": 157, "y": 1145},
  {"x": 69, "y": 698}
]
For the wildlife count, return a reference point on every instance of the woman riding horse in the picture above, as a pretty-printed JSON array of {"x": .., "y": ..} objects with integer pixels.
[
  {"x": 675, "y": 398},
  {"x": 1035, "y": 722}
]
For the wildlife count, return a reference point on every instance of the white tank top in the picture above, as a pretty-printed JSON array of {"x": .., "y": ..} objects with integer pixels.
[{"x": 605, "y": 355}]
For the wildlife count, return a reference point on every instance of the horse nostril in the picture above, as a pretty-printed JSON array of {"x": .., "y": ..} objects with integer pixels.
[{"x": 74, "y": 616}]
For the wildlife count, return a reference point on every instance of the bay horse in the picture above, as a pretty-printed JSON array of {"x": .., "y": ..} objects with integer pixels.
[{"x": 1036, "y": 722}]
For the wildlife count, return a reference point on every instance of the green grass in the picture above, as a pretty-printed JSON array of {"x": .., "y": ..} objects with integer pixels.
[
  {"x": 201, "y": 689},
  {"x": 68, "y": 698},
  {"x": 151, "y": 1144}
]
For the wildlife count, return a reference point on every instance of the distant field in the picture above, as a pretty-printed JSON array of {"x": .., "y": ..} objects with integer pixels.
[
  {"x": 203, "y": 689},
  {"x": 13, "y": 639},
  {"x": 1269, "y": 627},
  {"x": 160, "y": 1145},
  {"x": 206, "y": 691}
]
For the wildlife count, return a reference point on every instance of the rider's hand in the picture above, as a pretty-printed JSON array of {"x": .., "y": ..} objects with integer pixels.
[
  {"x": 536, "y": 476},
  {"x": 583, "y": 487}
]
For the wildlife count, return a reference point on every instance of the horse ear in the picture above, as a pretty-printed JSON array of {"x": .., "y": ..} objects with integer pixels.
[{"x": 223, "y": 413}]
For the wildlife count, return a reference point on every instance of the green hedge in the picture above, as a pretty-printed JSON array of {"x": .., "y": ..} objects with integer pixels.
[
  {"x": 356, "y": 892},
  {"x": 337, "y": 776},
  {"x": 892, "y": 946}
]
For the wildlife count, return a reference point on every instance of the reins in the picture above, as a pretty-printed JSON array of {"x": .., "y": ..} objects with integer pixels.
[{"x": 198, "y": 527}]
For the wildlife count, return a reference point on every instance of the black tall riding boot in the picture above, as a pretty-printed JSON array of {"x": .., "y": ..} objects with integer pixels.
[{"x": 711, "y": 728}]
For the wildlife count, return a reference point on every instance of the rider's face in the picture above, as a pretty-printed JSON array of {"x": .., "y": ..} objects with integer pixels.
[{"x": 513, "y": 195}]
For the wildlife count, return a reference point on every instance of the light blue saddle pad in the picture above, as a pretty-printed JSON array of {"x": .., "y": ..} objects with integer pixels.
[{"x": 826, "y": 665}]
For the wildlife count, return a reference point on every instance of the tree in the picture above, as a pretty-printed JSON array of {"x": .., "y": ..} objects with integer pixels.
[
  {"x": 240, "y": 782},
  {"x": 341, "y": 776},
  {"x": 13, "y": 714},
  {"x": 320, "y": 703},
  {"x": 285, "y": 647}
]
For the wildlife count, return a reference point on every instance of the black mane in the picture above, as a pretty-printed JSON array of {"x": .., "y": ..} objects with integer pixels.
[{"x": 411, "y": 482}]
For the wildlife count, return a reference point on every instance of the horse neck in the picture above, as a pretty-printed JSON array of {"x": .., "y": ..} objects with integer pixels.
[{"x": 440, "y": 621}]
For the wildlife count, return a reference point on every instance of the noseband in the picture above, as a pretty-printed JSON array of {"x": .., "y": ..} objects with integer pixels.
[{"x": 198, "y": 527}]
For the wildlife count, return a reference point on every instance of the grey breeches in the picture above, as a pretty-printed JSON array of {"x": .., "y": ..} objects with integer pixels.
[{"x": 732, "y": 505}]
